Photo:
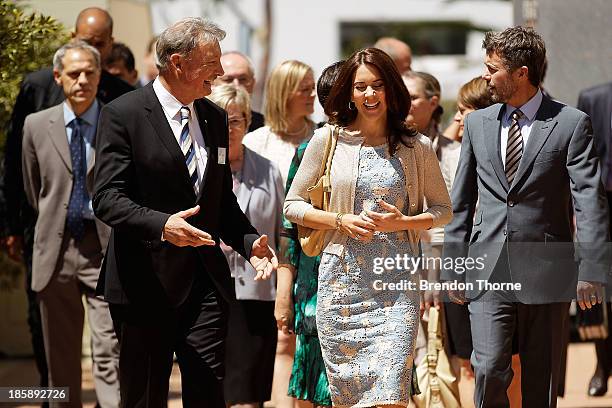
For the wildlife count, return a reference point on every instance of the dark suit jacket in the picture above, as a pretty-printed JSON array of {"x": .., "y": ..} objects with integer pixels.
[
  {"x": 597, "y": 103},
  {"x": 257, "y": 121},
  {"x": 140, "y": 180},
  {"x": 38, "y": 92},
  {"x": 559, "y": 168}
]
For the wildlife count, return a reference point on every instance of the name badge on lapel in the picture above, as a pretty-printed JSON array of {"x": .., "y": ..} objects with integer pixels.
[{"x": 221, "y": 155}]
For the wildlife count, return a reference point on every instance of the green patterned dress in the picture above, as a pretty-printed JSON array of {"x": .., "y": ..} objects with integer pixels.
[{"x": 308, "y": 378}]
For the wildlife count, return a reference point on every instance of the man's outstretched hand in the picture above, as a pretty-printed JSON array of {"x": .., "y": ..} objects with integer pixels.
[
  {"x": 588, "y": 294},
  {"x": 263, "y": 258},
  {"x": 179, "y": 232}
]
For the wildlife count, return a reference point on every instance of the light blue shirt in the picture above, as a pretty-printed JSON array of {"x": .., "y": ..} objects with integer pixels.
[
  {"x": 529, "y": 109},
  {"x": 88, "y": 129}
]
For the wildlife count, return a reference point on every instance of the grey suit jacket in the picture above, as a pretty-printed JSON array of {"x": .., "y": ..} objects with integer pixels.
[
  {"x": 557, "y": 173},
  {"x": 47, "y": 179},
  {"x": 597, "y": 103},
  {"x": 261, "y": 197}
]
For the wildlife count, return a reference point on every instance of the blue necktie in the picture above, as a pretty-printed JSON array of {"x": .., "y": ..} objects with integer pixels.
[{"x": 79, "y": 196}]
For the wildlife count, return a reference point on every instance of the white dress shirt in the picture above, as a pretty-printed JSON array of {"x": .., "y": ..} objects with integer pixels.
[
  {"x": 271, "y": 146},
  {"x": 172, "y": 110},
  {"x": 529, "y": 109}
]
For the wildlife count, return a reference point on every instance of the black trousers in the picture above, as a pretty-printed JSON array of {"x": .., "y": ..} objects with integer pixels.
[
  {"x": 34, "y": 319},
  {"x": 603, "y": 347},
  {"x": 148, "y": 338}
]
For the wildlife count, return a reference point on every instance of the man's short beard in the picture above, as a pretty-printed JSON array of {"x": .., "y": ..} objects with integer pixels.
[
  {"x": 496, "y": 97},
  {"x": 503, "y": 94}
]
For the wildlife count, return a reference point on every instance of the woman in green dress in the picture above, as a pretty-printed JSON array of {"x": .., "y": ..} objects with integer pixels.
[{"x": 297, "y": 291}]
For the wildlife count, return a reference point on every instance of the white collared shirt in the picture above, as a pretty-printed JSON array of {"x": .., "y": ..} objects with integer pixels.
[
  {"x": 529, "y": 109},
  {"x": 172, "y": 110}
]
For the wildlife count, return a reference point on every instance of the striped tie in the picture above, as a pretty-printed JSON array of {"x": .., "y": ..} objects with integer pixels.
[
  {"x": 514, "y": 152},
  {"x": 188, "y": 149}
]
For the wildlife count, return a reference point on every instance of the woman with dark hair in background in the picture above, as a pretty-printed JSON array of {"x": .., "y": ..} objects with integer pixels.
[
  {"x": 296, "y": 303},
  {"x": 367, "y": 331}
]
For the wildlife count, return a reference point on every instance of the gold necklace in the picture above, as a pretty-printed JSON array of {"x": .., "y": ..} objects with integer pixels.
[{"x": 299, "y": 132}]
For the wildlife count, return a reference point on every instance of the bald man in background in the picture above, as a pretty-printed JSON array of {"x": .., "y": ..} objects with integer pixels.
[
  {"x": 239, "y": 71},
  {"x": 39, "y": 91},
  {"x": 398, "y": 50}
]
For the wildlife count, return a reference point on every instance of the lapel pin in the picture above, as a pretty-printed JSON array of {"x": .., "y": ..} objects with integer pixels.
[{"x": 221, "y": 155}]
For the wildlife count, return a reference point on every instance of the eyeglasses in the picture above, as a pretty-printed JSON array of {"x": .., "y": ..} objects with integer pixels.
[
  {"x": 237, "y": 122},
  {"x": 243, "y": 80}
]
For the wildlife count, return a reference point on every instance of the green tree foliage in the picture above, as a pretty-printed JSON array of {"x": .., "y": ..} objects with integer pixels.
[{"x": 27, "y": 43}]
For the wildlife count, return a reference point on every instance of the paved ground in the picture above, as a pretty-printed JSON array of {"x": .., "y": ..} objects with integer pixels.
[{"x": 580, "y": 367}]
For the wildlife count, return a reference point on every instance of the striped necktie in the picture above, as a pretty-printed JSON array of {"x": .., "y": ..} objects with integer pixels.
[
  {"x": 188, "y": 149},
  {"x": 514, "y": 151}
]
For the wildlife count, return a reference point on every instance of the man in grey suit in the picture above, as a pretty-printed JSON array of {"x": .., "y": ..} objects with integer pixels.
[
  {"x": 69, "y": 242},
  {"x": 528, "y": 161},
  {"x": 597, "y": 103}
]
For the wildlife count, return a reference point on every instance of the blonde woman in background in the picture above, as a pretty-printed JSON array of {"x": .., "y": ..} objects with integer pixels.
[
  {"x": 251, "y": 336},
  {"x": 289, "y": 102}
]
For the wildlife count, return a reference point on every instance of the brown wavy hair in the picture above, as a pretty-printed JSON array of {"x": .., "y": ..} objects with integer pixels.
[
  {"x": 396, "y": 95},
  {"x": 474, "y": 94},
  {"x": 519, "y": 46}
]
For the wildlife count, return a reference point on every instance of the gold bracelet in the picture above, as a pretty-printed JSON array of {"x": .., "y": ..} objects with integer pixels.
[{"x": 339, "y": 220}]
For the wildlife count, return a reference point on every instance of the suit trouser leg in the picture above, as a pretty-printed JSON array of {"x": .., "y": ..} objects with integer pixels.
[
  {"x": 34, "y": 319},
  {"x": 603, "y": 347},
  {"x": 104, "y": 345},
  {"x": 62, "y": 317},
  {"x": 145, "y": 361},
  {"x": 541, "y": 330},
  {"x": 104, "y": 353},
  {"x": 148, "y": 337},
  {"x": 200, "y": 349},
  {"x": 493, "y": 321},
  {"x": 35, "y": 323}
]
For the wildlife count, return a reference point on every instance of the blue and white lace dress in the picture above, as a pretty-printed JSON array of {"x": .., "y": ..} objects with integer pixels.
[{"x": 368, "y": 336}]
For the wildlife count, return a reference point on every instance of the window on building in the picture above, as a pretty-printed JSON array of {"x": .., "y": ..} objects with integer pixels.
[{"x": 425, "y": 38}]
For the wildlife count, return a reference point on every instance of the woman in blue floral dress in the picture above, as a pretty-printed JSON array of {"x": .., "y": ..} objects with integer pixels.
[{"x": 382, "y": 172}]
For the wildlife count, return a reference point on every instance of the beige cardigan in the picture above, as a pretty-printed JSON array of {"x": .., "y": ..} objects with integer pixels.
[{"x": 423, "y": 180}]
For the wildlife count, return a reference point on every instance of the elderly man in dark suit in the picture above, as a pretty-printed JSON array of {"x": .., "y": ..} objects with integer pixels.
[
  {"x": 39, "y": 91},
  {"x": 526, "y": 160},
  {"x": 164, "y": 184},
  {"x": 597, "y": 103},
  {"x": 58, "y": 162}
]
